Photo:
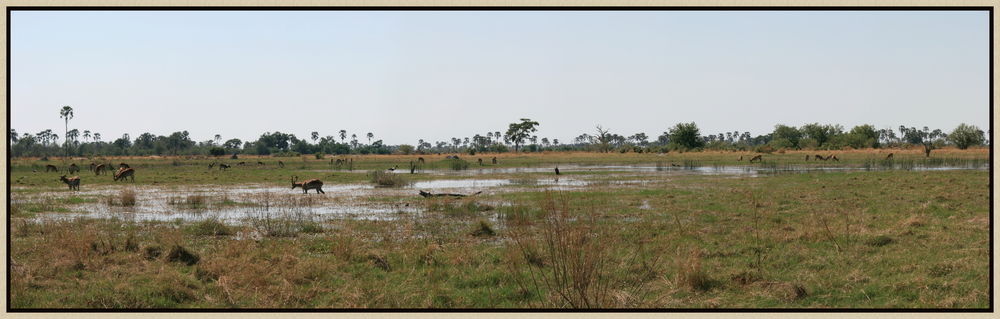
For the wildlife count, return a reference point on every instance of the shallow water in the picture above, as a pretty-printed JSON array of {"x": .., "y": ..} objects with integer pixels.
[{"x": 352, "y": 200}]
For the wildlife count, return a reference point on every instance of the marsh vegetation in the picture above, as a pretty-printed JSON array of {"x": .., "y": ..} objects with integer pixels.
[{"x": 691, "y": 230}]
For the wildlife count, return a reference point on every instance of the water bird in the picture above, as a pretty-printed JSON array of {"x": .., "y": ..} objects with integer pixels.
[{"x": 393, "y": 168}]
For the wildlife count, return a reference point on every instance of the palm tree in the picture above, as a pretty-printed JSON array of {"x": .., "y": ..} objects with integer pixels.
[
  {"x": 218, "y": 138},
  {"x": 315, "y": 136},
  {"x": 97, "y": 137},
  {"x": 343, "y": 135},
  {"x": 67, "y": 113},
  {"x": 370, "y": 136},
  {"x": 86, "y": 135}
]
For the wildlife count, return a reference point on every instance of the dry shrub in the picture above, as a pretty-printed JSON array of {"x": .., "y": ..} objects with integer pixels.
[
  {"x": 483, "y": 229},
  {"x": 571, "y": 261},
  {"x": 181, "y": 254},
  {"x": 127, "y": 197},
  {"x": 345, "y": 246},
  {"x": 379, "y": 261}
]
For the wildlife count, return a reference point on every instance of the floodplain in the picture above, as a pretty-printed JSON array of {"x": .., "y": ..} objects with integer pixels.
[{"x": 655, "y": 231}]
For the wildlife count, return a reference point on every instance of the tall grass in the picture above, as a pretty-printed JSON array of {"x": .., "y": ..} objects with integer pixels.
[{"x": 281, "y": 216}]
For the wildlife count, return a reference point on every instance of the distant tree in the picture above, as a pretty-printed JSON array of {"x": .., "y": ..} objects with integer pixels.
[
  {"x": 370, "y": 136},
  {"x": 13, "y": 136},
  {"x": 217, "y": 151},
  {"x": 517, "y": 133},
  {"x": 86, "y": 136},
  {"x": 868, "y": 134},
  {"x": 343, "y": 135},
  {"x": 97, "y": 137},
  {"x": 923, "y": 137},
  {"x": 820, "y": 133},
  {"x": 67, "y": 113},
  {"x": 405, "y": 149},
  {"x": 787, "y": 132},
  {"x": 967, "y": 135},
  {"x": 218, "y": 139},
  {"x": 315, "y": 136},
  {"x": 420, "y": 144},
  {"x": 232, "y": 144},
  {"x": 639, "y": 139},
  {"x": 686, "y": 135}
]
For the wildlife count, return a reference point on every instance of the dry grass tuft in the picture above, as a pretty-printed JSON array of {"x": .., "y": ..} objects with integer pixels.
[
  {"x": 690, "y": 275},
  {"x": 180, "y": 254}
]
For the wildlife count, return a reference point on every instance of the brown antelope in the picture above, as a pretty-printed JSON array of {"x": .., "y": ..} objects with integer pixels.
[
  {"x": 307, "y": 185},
  {"x": 740, "y": 159},
  {"x": 282, "y": 165},
  {"x": 73, "y": 182},
  {"x": 49, "y": 167},
  {"x": 832, "y": 157},
  {"x": 259, "y": 163},
  {"x": 494, "y": 160},
  {"x": 92, "y": 166},
  {"x": 73, "y": 168},
  {"x": 758, "y": 158},
  {"x": 210, "y": 166},
  {"x": 123, "y": 165},
  {"x": 420, "y": 160},
  {"x": 820, "y": 158},
  {"x": 125, "y": 173},
  {"x": 480, "y": 162},
  {"x": 241, "y": 164},
  {"x": 807, "y": 158},
  {"x": 223, "y": 167},
  {"x": 888, "y": 157},
  {"x": 100, "y": 169}
]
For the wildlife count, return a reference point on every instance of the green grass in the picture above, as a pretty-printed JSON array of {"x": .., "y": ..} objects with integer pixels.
[{"x": 869, "y": 239}]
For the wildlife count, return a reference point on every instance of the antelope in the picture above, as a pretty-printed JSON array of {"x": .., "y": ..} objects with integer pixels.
[
  {"x": 820, "y": 157},
  {"x": 99, "y": 169},
  {"x": 307, "y": 185},
  {"x": 833, "y": 157},
  {"x": 282, "y": 165},
  {"x": 740, "y": 159},
  {"x": 223, "y": 167},
  {"x": 807, "y": 158},
  {"x": 73, "y": 168},
  {"x": 210, "y": 166},
  {"x": 480, "y": 162},
  {"x": 73, "y": 182},
  {"x": 241, "y": 164},
  {"x": 420, "y": 160},
  {"x": 92, "y": 166},
  {"x": 259, "y": 163},
  {"x": 50, "y": 167},
  {"x": 494, "y": 160},
  {"x": 758, "y": 158},
  {"x": 888, "y": 157},
  {"x": 125, "y": 173},
  {"x": 123, "y": 165}
]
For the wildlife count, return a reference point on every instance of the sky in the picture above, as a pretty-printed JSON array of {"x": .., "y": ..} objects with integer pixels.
[{"x": 435, "y": 75}]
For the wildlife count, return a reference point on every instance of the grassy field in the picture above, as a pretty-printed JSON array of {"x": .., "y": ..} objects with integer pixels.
[{"x": 881, "y": 237}]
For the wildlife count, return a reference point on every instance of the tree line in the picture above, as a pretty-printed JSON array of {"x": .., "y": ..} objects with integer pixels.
[{"x": 517, "y": 138}]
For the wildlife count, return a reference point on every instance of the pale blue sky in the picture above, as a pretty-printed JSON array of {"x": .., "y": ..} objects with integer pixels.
[{"x": 434, "y": 75}]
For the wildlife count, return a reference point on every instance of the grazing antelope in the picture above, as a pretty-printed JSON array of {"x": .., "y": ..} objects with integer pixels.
[
  {"x": 494, "y": 160},
  {"x": 480, "y": 162},
  {"x": 223, "y": 167},
  {"x": 758, "y": 158},
  {"x": 282, "y": 165},
  {"x": 241, "y": 164},
  {"x": 92, "y": 166},
  {"x": 888, "y": 157},
  {"x": 125, "y": 173},
  {"x": 100, "y": 169},
  {"x": 832, "y": 157},
  {"x": 420, "y": 160},
  {"x": 50, "y": 167},
  {"x": 123, "y": 165},
  {"x": 73, "y": 182},
  {"x": 259, "y": 163},
  {"x": 73, "y": 168},
  {"x": 210, "y": 166},
  {"x": 740, "y": 159},
  {"x": 307, "y": 185},
  {"x": 820, "y": 158},
  {"x": 807, "y": 158}
]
